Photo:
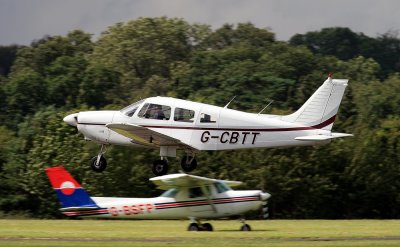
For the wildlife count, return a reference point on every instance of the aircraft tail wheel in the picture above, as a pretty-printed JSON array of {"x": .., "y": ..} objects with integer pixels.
[
  {"x": 245, "y": 227},
  {"x": 160, "y": 167},
  {"x": 188, "y": 163},
  {"x": 207, "y": 227},
  {"x": 98, "y": 164},
  {"x": 193, "y": 227}
]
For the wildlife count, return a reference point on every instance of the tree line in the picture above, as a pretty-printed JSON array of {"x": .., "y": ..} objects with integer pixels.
[{"x": 356, "y": 177}]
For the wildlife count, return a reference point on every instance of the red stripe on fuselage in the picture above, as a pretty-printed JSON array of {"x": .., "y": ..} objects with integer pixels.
[
  {"x": 204, "y": 202},
  {"x": 88, "y": 212},
  {"x": 317, "y": 126}
]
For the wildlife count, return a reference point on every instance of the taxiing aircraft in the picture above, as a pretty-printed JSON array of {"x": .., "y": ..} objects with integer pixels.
[
  {"x": 170, "y": 124},
  {"x": 186, "y": 197}
]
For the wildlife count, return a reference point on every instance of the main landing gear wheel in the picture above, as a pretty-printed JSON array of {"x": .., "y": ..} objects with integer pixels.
[
  {"x": 245, "y": 227},
  {"x": 98, "y": 163},
  {"x": 188, "y": 163},
  {"x": 193, "y": 227},
  {"x": 160, "y": 167},
  {"x": 207, "y": 227}
]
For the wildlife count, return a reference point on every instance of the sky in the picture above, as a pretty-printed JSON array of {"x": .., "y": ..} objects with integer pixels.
[{"x": 22, "y": 21}]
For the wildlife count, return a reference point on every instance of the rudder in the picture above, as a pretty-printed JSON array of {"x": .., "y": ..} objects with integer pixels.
[{"x": 321, "y": 108}]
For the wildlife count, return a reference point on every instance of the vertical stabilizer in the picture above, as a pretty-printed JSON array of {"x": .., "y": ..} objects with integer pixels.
[
  {"x": 69, "y": 191},
  {"x": 320, "y": 109}
]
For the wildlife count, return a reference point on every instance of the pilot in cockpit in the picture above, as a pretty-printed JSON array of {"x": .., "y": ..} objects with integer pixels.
[{"x": 157, "y": 113}]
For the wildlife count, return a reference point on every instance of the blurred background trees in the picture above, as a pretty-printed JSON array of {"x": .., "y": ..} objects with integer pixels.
[{"x": 355, "y": 177}]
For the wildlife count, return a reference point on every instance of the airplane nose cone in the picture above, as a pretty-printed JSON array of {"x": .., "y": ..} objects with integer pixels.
[
  {"x": 71, "y": 119},
  {"x": 264, "y": 196}
]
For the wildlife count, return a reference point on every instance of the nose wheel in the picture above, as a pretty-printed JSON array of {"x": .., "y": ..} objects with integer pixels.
[
  {"x": 98, "y": 163},
  {"x": 245, "y": 227}
]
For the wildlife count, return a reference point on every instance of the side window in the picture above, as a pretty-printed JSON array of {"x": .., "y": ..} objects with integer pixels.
[
  {"x": 206, "y": 118},
  {"x": 195, "y": 192},
  {"x": 220, "y": 187},
  {"x": 155, "y": 111},
  {"x": 183, "y": 115}
]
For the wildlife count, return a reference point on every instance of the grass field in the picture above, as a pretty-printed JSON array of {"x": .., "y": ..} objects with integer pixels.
[{"x": 173, "y": 233}]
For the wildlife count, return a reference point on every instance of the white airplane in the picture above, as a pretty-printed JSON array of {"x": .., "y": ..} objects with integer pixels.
[
  {"x": 186, "y": 197},
  {"x": 170, "y": 124}
]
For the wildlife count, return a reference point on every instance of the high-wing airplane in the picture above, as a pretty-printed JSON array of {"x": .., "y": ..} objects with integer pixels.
[
  {"x": 186, "y": 197},
  {"x": 170, "y": 124}
]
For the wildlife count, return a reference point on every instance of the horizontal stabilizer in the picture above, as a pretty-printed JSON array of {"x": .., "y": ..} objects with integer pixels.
[{"x": 322, "y": 137}]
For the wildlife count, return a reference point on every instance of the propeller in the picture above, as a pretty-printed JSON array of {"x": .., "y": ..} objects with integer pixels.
[{"x": 264, "y": 209}]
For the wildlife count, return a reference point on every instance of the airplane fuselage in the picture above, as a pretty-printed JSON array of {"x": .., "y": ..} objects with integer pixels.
[
  {"x": 186, "y": 197},
  {"x": 223, "y": 129},
  {"x": 171, "y": 124},
  {"x": 229, "y": 203}
]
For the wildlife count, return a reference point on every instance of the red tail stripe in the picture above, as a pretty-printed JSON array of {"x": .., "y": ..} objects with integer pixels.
[{"x": 59, "y": 175}]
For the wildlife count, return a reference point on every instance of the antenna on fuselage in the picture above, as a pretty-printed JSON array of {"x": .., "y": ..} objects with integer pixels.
[
  {"x": 266, "y": 107},
  {"x": 226, "y": 106}
]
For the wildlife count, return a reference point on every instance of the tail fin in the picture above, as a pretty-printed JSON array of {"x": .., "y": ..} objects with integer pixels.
[
  {"x": 69, "y": 191},
  {"x": 320, "y": 109}
]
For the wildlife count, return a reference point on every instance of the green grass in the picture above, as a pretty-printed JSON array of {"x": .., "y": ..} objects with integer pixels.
[{"x": 173, "y": 233}]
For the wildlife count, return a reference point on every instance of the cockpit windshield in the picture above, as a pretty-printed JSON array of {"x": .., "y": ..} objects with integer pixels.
[
  {"x": 131, "y": 109},
  {"x": 170, "y": 193}
]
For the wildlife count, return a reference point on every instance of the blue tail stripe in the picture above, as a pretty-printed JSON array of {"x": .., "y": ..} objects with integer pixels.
[{"x": 80, "y": 198}]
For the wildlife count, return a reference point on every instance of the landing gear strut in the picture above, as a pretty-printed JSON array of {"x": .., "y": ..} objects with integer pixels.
[
  {"x": 98, "y": 163},
  {"x": 188, "y": 163}
]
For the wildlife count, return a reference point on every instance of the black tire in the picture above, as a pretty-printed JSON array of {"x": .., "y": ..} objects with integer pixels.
[
  {"x": 98, "y": 167},
  {"x": 245, "y": 228},
  {"x": 160, "y": 167},
  {"x": 207, "y": 227},
  {"x": 186, "y": 166},
  {"x": 193, "y": 227}
]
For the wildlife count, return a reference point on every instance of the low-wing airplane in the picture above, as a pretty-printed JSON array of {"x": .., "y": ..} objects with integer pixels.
[
  {"x": 170, "y": 124},
  {"x": 186, "y": 197}
]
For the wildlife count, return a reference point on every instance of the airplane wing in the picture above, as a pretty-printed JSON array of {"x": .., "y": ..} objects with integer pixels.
[
  {"x": 321, "y": 137},
  {"x": 185, "y": 180},
  {"x": 145, "y": 136}
]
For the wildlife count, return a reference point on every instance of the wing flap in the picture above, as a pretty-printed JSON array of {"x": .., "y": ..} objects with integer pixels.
[
  {"x": 322, "y": 137},
  {"x": 145, "y": 136}
]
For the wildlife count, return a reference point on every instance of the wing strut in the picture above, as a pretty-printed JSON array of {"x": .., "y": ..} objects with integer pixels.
[{"x": 207, "y": 194}]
